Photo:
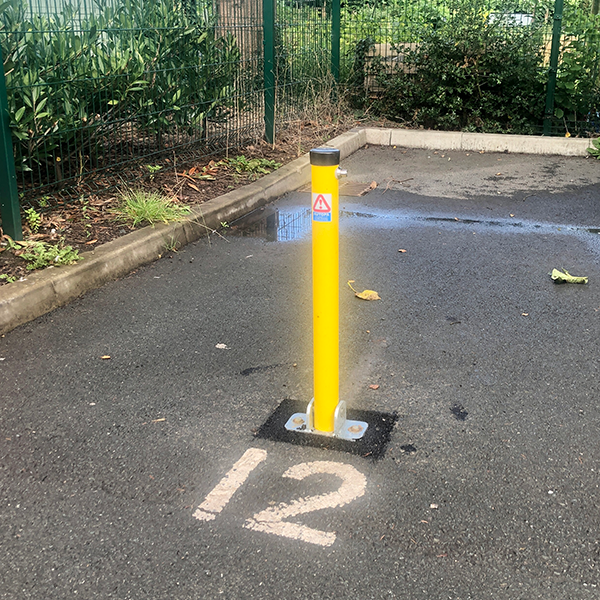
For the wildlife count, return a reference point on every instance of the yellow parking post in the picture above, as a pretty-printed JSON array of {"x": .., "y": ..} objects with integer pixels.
[
  {"x": 325, "y": 413},
  {"x": 325, "y": 272}
]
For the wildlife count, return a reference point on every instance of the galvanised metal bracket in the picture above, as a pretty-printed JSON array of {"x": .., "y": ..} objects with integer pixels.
[{"x": 343, "y": 428}]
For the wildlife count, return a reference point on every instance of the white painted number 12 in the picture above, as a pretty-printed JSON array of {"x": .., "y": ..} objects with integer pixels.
[{"x": 271, "y": 520}]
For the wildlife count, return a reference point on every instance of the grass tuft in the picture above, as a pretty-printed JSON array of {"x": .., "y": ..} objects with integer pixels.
[{"x": 140, "y": 207}]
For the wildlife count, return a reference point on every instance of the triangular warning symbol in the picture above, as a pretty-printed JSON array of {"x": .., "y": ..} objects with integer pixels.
[{"x": 320, "y": 204}]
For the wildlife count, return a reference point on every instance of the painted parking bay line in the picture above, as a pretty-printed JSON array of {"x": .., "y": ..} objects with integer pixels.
[
  {"x": 216, "y": 501},
  {"x": 271, "y": 520}
]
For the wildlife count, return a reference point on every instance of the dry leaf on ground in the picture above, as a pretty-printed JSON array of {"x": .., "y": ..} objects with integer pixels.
[
  {"x": 365, "y": 294},
  {"x": 368, "y": 295}
]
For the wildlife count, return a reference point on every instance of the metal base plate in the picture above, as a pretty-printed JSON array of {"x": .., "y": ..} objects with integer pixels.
[
  {"x": 372, "y": 445},
  {"x": 343, "y": 428}
]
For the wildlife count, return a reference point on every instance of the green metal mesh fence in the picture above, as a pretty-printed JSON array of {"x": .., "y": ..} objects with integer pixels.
[
  {"x": 303, "y": 55},
  {"x": 96, "y": 89},
  {"x": 381, "y": 39}
]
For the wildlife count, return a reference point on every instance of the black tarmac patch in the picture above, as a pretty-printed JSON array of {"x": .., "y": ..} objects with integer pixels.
[{"x": 372, "y": 445}]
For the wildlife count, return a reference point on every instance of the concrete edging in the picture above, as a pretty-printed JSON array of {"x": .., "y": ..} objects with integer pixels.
[
  {"x": 487, "y": 142},
  {"x": 46, "y": 290}
]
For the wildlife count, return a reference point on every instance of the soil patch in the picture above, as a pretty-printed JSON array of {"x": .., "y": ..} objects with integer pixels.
[{"x": 90, "y": 221}]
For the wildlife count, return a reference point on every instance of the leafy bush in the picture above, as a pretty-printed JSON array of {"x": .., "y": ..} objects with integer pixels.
[
  {"x": 577, "y": 95},
  {"x": 76, "y": 86},
  {"x": 469, "y": 73}
]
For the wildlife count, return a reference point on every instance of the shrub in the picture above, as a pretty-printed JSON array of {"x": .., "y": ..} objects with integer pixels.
[
  {"x": 577, "y": 96},
  {"x": 78, "y": 85},
  {"x": 469, "y": 73}
]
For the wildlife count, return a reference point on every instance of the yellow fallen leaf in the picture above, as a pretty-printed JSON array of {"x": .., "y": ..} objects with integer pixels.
[
  {"x": 374, "y": 386},
  {"x": 364, "y": 295},
  {"x": 105, "y": 357},
  {"x": 566, "y": 277},
  {"x": 367, "y": 295}
]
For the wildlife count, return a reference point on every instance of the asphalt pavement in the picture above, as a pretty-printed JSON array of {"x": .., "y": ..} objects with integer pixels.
[{"x": 129, "y": 466}]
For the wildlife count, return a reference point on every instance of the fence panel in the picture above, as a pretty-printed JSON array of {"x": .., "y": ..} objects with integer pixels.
[
  {"x": 383, "y": 38},
  {"x": 94, "y": 90},
  {"x": 98, "y": 90},
  {"x": 302, "y": 56}
]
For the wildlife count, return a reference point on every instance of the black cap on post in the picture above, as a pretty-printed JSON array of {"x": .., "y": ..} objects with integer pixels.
[{"x": 325, "y": 157}]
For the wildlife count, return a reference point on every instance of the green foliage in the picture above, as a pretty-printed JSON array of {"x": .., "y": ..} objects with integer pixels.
[
  {"x": 139, "y": 207},
  {"x": 8, "y": 278},
  {"x": 302, "y": 57},
  {"x": 33, "y": 218},
  {"x": 146, "y": 68},
  {"x": 358, "y": 94},
  {"x": 577, "y": 85},
  {"x": 595, "y": 149},
  {"x": 470, "y": 73},
  {"x": 153, "y": 170},
  {"x": 40, "y": 255},
  {"x": 253, "y": 167}
]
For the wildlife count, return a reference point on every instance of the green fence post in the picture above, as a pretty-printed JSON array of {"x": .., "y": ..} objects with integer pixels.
[
  {"x": 269, "y": 74},
  {"x": 9, "y": 194},
  {"x": 335, "y": 39},
  {"x": 554, "y": 50}
]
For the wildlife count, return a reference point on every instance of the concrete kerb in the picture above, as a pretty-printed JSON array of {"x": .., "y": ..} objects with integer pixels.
[
  {"x": 478, "y": 142},
  {"x": 44, "y": 291}
]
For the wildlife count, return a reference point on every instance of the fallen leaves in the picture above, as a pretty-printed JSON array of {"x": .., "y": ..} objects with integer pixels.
[
  {"x": 368, "y": 295},
  {"x": 208, "y": 172},
  {"x": 365, "y": 294},
  {"x": 374, "y": 386},
  {"x": 402, "y": 250},
  {"x": 565, "y": 277},
  {"x": 105, "y": 357},
  {"x": 371, "y": 187}
]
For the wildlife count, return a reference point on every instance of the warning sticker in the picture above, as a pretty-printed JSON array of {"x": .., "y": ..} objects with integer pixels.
[{"x": 321, "y": 207}]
